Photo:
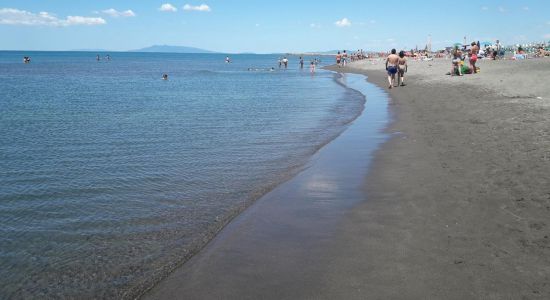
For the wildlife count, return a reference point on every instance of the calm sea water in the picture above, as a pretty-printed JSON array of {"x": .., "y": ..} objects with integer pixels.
[{"x": 111, "y": 177}]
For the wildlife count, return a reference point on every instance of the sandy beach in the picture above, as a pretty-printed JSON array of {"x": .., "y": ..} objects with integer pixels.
[
  {"x": 455, "y": 205},
  {"x": 458, "y": 203}
]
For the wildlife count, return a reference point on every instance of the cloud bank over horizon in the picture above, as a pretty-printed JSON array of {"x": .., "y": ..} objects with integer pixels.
[{"x": 13, "y": 16}]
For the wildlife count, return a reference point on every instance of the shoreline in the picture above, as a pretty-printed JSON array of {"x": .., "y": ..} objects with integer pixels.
[
  {"x": 278, "y": 233},
  {"x": 457, "y": 206}
]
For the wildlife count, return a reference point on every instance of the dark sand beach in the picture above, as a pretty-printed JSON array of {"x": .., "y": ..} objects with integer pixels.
[
  {"x": 458, "y": 205},
  {"x": 455, "y": 205}
]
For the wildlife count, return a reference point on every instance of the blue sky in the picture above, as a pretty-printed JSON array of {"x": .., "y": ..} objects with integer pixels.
[{"x": 266, "y": 26}]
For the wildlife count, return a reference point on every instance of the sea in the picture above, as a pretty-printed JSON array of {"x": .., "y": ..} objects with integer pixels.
[{"x": 111, "y": 177}]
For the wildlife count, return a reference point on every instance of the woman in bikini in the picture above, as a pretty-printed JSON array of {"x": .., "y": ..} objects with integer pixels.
[
  {"x": 473, "y": 57},
  {"x": 402, "y": 68}
]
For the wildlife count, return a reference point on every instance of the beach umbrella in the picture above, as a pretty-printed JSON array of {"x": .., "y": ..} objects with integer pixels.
[{"x": 457, "y": 44}]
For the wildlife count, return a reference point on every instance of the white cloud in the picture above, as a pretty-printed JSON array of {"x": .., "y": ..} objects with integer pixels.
[
  {"x": 343, "y": 23},
  {"x": 12, "y": 16},
  {"x": 168, "y": 7},
  {"x": 78, "y": 20},
  {"x": 202, "y": 7},
  {"x": 115, "y": 13},
  {"x": 501, "y": 9},
  {"x": 484, "y": 8},
  {"x": 315, "y": 25}
]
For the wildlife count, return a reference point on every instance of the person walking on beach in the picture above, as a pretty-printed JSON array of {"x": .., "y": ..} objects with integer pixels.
[
  {"x": 402, "y": 68},
  {"x": 301, "y": 63},
  {"x": 344, "y": 58},
  {"x": 473, "y": 57},
  {"x": 338, "y": 59},
  {"x": 391, "y": 66},
  {"x": 497, "y": 50}
]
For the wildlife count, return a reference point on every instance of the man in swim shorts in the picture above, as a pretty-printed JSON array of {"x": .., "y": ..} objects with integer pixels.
[
  {"x": 391, "y": 66},
  {"x": 338, "y": 59}
]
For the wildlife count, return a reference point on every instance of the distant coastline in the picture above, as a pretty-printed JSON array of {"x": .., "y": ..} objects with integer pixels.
[{"x": 172, "y": 49}]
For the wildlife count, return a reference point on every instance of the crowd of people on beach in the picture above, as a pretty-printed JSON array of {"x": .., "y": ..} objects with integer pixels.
[{"x": 343, "y": 57}]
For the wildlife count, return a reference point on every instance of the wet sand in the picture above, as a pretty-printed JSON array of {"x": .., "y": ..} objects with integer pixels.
[{"x": 455, "y": 206}]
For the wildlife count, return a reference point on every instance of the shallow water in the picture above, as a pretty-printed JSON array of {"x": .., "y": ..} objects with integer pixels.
[
  {"x": 285, "y": 245},
  {"x": 110, "y": 177}
]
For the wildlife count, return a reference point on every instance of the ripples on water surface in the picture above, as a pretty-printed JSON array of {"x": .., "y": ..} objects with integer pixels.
[{"x": 110, "y": 176}]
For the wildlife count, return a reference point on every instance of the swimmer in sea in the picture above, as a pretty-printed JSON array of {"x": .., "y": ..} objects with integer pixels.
[
  {"x": 164, "y": 76},
  {"x": 391, "y": 66}
]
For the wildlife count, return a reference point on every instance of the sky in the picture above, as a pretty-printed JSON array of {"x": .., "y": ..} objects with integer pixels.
[{"x": 237, "y": 26}]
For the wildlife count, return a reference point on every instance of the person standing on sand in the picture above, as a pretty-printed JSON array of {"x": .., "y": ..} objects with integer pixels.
[
  {"x": 496, "y": 50},
  {"x": 338, "y": 59},
  {"x": 344, "y": 58},
  {"x": 473, "y": 57},
  {"x": 402, "y": 68},
  {"x": 391, "y": 66}
]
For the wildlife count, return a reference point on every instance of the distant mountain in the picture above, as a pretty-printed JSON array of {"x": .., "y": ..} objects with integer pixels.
[{"x": 172, "y": 49}]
